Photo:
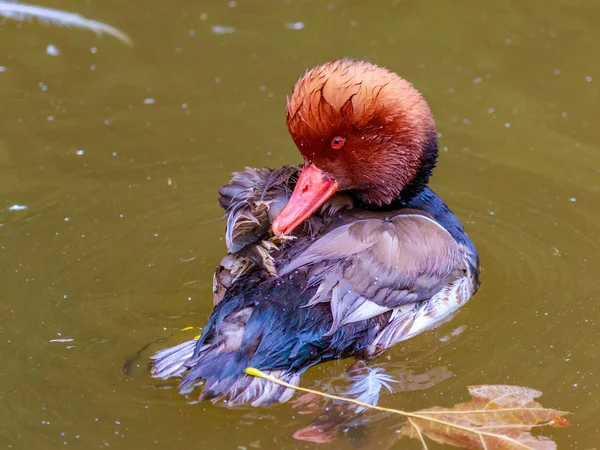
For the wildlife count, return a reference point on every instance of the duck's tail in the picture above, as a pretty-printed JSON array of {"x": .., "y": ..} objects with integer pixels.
[
  {"x": 235, "y": 390},
  {"x": 171, "y": 362},
  {"x": 265, "y": 328}
]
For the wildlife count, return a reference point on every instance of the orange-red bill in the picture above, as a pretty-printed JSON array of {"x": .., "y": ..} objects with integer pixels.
[{"x": 313, "y": 189}]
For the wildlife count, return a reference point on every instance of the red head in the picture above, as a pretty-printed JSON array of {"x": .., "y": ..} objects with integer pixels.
[{"x": 359, "y": 127}]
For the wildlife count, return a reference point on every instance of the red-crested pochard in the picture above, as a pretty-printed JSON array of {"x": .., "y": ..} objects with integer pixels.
[{"x": 344, "y": 256}]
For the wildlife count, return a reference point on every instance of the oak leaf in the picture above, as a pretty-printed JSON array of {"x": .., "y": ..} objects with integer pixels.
[{"x": 498, "y": 417}]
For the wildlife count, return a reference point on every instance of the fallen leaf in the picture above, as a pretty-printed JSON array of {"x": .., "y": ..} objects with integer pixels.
[{"x": 498, "y": 417}]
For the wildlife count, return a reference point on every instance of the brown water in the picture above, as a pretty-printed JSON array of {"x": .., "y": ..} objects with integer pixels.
[{"x": 117, "y": 153}]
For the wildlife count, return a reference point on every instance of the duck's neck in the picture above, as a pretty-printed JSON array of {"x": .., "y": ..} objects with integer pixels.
[{"x": 416, "y": 186}]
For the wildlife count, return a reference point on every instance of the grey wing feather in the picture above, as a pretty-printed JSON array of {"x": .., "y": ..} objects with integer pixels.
[{"x": 375, "y": 265}]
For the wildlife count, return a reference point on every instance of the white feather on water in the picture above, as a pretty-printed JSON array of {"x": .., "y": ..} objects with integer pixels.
[
  {"x": 46, "y": 16},
  {"x": 366, "y": 387}
]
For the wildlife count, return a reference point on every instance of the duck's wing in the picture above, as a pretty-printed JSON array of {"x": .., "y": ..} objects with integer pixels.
[
  {"x": 251, "y": 200},
  {"x": 371, "y": 266}
]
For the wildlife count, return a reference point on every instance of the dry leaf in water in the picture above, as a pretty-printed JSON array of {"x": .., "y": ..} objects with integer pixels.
[{"x": 498, "y": 417}]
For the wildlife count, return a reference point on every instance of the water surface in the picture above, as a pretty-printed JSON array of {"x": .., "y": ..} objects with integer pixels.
[{"x": 110, "y": 158}]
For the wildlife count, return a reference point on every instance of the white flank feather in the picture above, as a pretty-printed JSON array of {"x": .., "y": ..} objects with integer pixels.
[{"x": 21, "y": 12}]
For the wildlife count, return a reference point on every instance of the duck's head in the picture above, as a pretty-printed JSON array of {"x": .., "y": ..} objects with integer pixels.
[{"x": 360, "y": 128}]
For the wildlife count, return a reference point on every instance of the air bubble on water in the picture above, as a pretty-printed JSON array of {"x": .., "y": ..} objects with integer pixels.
[
  {"x": 294, "y": 25},
  {"x": 52, "y": 50},
  {"x": 219, "y": 29}
]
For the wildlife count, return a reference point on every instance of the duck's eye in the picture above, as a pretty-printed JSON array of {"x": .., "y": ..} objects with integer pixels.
[{"x": 337, "y": 142}]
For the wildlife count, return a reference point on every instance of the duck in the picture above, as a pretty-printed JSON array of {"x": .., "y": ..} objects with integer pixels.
[{"x": 343, "y": 256}]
